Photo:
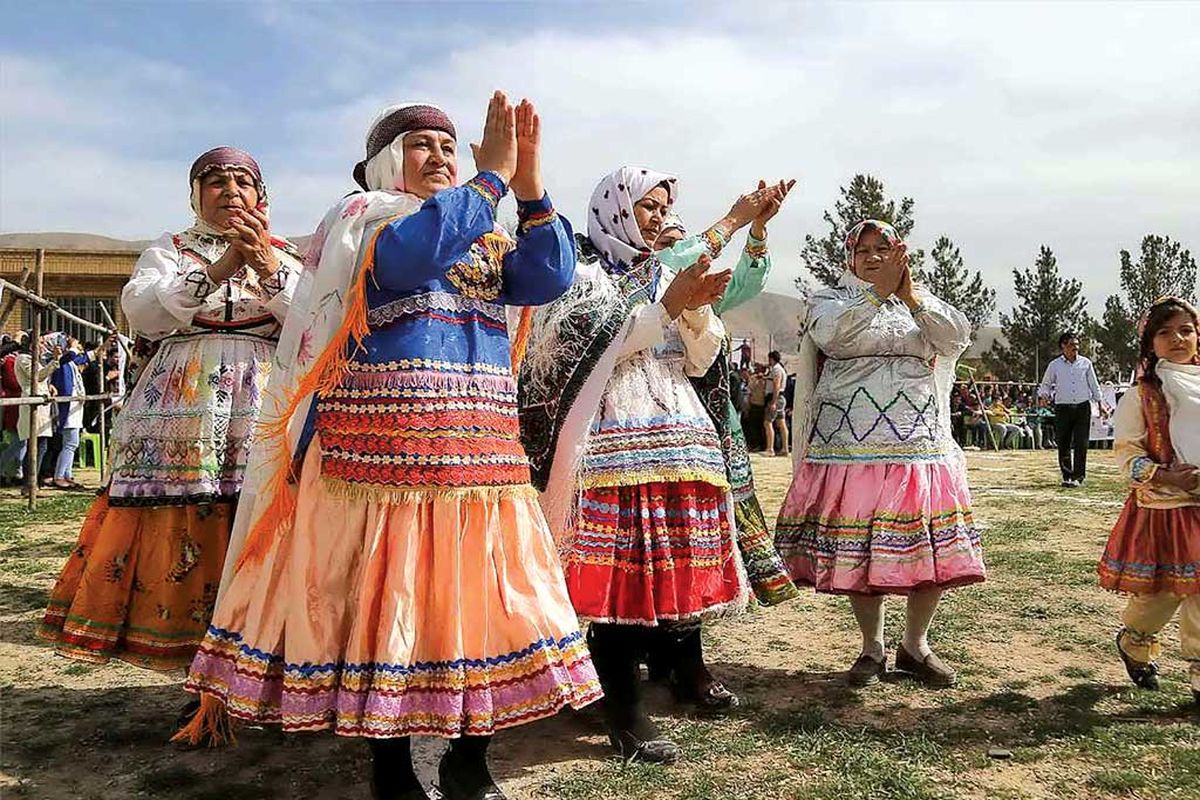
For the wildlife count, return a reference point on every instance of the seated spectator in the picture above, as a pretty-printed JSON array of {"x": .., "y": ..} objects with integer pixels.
[{"x": 1001, "y": 420}]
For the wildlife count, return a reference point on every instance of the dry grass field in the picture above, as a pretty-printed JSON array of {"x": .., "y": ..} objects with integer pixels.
[{"x": 1039, "y": 680}]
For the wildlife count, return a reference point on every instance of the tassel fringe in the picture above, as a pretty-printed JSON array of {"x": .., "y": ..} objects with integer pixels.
[
  {"x": 211, "y": 724},
  {"x": 325, "y": 375}
]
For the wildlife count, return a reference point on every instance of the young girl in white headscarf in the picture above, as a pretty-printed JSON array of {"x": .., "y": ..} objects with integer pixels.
[{"x": 1153, "y": 553}]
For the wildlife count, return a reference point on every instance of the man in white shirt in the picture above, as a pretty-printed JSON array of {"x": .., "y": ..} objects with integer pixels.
[
  {"x": 1071, "y": 381},
  {"x": 775, "y": 418}
]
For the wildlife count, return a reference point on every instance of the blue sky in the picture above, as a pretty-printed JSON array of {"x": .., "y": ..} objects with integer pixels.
[{"x": 1012, "y": 124}]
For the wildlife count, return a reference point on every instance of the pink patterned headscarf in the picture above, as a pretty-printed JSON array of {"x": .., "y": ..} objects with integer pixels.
[{"x": 884, "y": 229}]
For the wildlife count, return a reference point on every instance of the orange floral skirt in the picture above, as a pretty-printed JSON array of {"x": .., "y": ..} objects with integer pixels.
[{"x": 141, "y": 584}]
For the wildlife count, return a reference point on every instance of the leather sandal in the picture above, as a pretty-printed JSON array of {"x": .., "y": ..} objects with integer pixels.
[{"x": 928, "y": 670}]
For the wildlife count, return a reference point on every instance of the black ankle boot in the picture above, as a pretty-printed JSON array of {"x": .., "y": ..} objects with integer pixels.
[
  {"x": 692, "y": 682},
  {"x": 392, "y": 775},
  {"x": 615, "y": 653},
  {"x": 660, "y": 655},
  {"x": 463, "y": 772}
]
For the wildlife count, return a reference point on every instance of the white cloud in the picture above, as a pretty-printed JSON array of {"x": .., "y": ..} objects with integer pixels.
[{"x": 1012, "y": 125}]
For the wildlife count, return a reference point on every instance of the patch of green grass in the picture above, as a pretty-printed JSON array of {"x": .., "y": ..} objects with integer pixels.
[
  {"x": 16, "y": 516},
  {"x": 1117, "y": 781}
]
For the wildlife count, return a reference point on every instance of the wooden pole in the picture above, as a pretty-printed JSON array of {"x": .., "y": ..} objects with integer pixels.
[
  {"x": 35, "y": 298},
  {"x": 35, "y": 363},
  {"x": 11, "y": 302}
]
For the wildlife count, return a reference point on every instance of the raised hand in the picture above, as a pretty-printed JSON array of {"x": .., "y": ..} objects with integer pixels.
[
  {"x": 250, "y": 235},
  {"x": 747, "y": 207},
  {"x": 685, "y": 284},
  {"x": 498, "y": 151},
  {"x": 893, "y": 273},
  {"x": 776, "y": 196},
  {"x": 710, "y": 289},
  {"x": 526, "y": 181}
]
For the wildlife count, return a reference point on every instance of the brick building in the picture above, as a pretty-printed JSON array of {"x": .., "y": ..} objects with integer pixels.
[{"x": 78, "y": 280}]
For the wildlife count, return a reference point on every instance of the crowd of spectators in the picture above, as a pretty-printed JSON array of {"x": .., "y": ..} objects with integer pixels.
[
  {"x": 65, "y": 366},
  {"x": 753, "y": 391},
  {"x": 1017, "y": 416}
]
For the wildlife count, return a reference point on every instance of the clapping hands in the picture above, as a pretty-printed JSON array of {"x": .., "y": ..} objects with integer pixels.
[
  {"x": 695, "y": 287},
  {"x": 511, "y": 146}
]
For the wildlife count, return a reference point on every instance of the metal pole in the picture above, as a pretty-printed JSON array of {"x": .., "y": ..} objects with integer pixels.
[
  {"x": 983, "y": 413},
  {"x": 35, "y": 364}
]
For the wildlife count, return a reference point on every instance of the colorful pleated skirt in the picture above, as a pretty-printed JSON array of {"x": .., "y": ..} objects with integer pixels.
[
  {"x": 1153, "y": 551},
  {"x": 140, "y": 584},
  {"x": 764, "y": 567},
  {"x": 654, "y": 552},
  {"x": 385, "y": 617},
  {"x": 888, "y": 528}
]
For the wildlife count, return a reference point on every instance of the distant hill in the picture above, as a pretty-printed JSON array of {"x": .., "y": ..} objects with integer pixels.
[
  {"x": 69, "y": 241},
  {"x": 771, "y": 321},
  {"x": 88, "y": 241}
]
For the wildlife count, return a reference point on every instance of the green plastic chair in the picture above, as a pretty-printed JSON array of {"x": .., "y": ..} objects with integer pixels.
[{"x": 90, "y": 454}]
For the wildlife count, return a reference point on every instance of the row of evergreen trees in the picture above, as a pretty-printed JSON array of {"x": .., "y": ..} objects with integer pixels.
[{"x": 1047, "y": 303}]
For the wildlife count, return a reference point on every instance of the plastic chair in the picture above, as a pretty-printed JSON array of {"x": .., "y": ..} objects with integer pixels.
[{"x": 89, "y": 454}]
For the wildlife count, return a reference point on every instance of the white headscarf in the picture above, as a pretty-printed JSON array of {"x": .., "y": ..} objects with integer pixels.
[
  {"x": 612, "y": 228},
  {"x": 385, "y": 170}
]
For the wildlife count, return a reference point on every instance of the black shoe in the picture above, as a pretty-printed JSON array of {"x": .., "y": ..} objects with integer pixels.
[
  {"x": 1143, "y": 675},
  {"x": 459, "y": 781},
  {"x": 866, "y": 670},
  {"x": 651, "y": 751},
  {"x": 707, "y": 695}
]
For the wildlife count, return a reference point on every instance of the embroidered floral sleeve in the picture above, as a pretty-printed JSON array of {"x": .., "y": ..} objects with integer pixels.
[
  {"x": 420, "y": 248},
  {"x": 165, "y": 292},
  {"x": 1129, "y": 439},
  {"x": 1142, "y": 469}
]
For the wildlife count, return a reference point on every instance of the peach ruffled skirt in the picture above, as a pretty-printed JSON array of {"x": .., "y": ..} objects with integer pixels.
[{"x": 441, "y": 615}]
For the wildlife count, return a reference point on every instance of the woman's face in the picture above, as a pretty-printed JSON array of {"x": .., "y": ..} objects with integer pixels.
[
  {"x": 649, "y": 213},
  {"x": 1176, "y": 339},
  {"x": 430, "y": 163},
  {"x": 870, "y": 253},
  {"x": 225, "y": 193}
]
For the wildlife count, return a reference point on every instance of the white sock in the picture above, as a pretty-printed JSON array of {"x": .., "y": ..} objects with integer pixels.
[
  {"x": 868, "y": 610},
  {"x": 918, "y": 616}
]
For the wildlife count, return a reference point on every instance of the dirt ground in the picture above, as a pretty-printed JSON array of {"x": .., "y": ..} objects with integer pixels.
[{"x": 1040, "y": 689}]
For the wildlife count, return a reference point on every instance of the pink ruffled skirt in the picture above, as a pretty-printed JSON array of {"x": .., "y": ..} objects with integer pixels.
[{"x": 879, "y": 528}]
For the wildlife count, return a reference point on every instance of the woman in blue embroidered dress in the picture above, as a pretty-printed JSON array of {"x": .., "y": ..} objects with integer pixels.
[
  {"x": 633, "y": 476},
  {"x": 396, "y": 576}
]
